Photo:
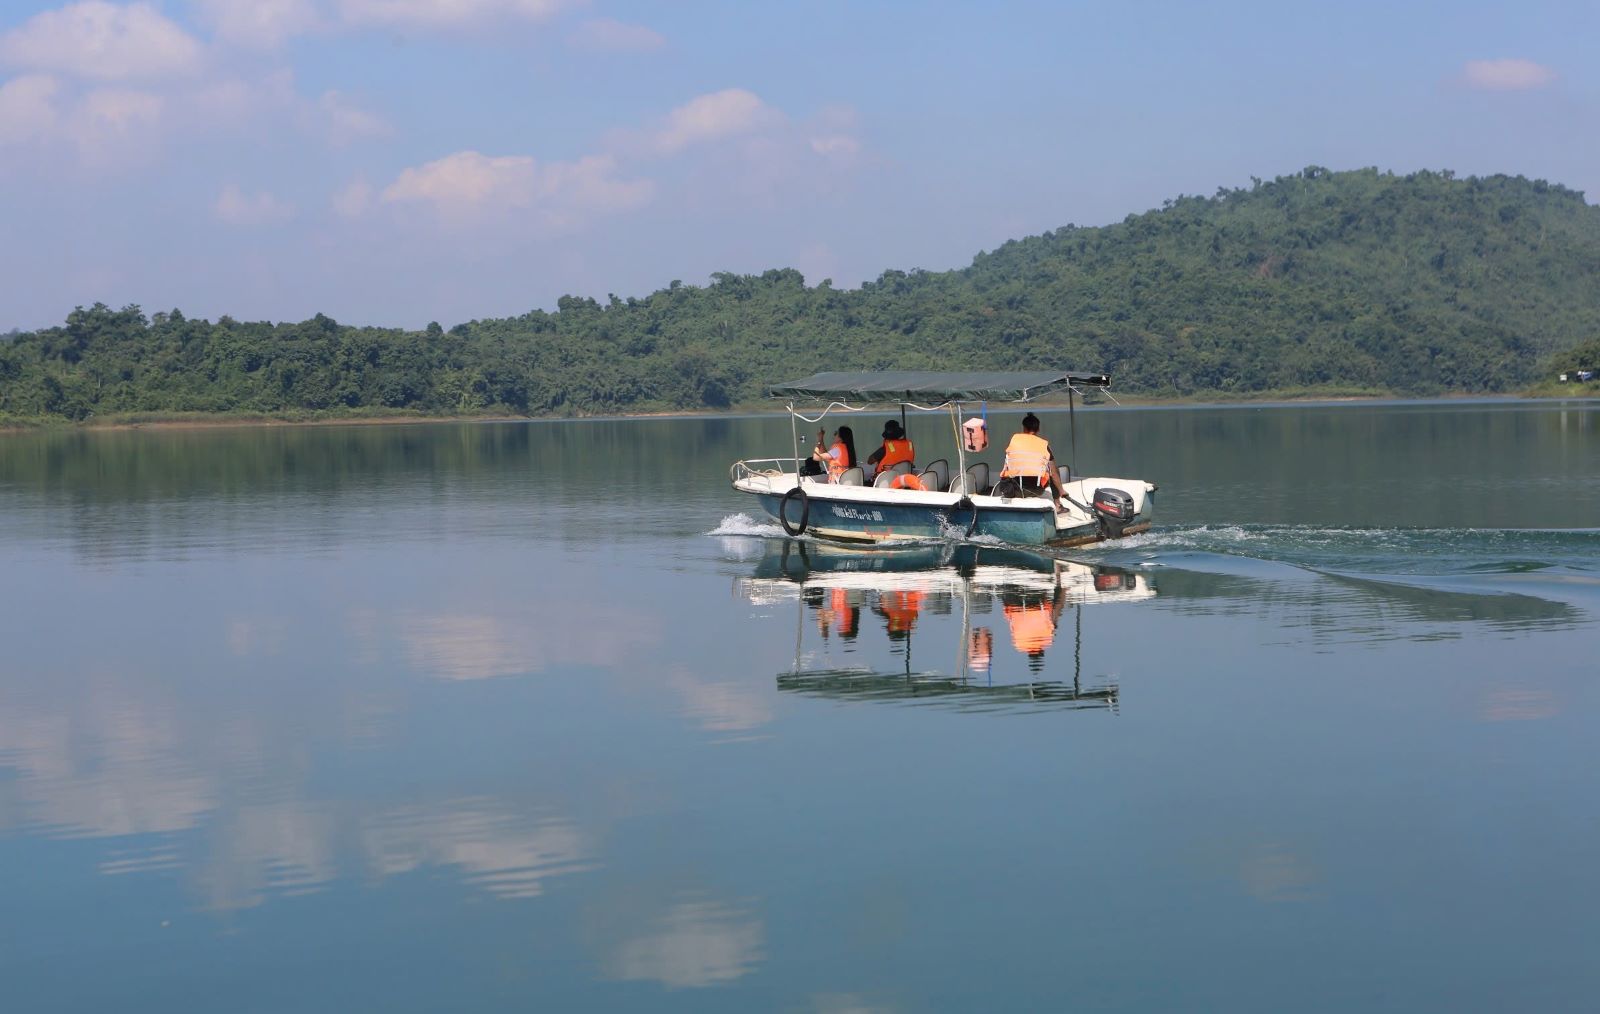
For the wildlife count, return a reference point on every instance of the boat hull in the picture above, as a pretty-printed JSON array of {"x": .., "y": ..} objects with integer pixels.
[{"x": 869, "y": 516}]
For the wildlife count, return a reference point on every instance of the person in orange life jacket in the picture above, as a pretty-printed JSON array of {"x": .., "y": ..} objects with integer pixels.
[
  {"x": 896, "y": 448},
  {"x": 838, "y": 457},
  {"x": 1031, "y": 463}
]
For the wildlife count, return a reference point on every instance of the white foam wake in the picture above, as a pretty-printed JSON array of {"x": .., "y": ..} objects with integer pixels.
[{"x": 745, "y": 525}]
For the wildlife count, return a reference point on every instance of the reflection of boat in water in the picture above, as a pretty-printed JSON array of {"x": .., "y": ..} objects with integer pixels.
[
  {"x": 854, "y": 506},
  {"x": 1010, "y": 604}
]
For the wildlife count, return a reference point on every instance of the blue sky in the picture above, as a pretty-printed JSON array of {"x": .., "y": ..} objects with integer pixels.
[{"x": 401, "y": 161}]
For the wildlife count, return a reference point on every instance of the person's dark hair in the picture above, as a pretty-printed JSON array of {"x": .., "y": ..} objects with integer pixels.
[
  {"x": 891, "y": 430},
  {"x": 848, "y": 438},
  {"x": 1030, "y": 423}
]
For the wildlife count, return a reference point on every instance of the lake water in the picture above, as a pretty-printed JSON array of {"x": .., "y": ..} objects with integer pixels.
[{"x": 544, "y": 716}]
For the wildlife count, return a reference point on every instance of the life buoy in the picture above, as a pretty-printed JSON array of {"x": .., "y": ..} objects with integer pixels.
[
  {"x": 907, "y": 481},
  {"x": 805, "y": 510}
]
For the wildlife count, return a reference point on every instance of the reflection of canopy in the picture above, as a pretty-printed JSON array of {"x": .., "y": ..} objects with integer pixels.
[
  {"x": 858, "y": 684},
  {"x": 933, "y": 388}
]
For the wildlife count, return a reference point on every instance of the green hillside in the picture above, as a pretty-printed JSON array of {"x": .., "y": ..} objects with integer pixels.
[{"x": 1418, "y": 284}]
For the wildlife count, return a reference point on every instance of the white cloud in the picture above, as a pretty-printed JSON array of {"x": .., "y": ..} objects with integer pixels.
[
  {"x": 835, "y": 146},
  {"x": 28, "y": 108},
  {"x": 1506, "y": 75},
  {"x": 234, "y": 207},
  {"x": 345, "y": 122},
  {"x": 444, "y": 13},
  {"x": 259, "y": 24},
  {"x": 102, "y": 41},
  {"x": 708, "y": 117},
  {"x": 468, "y": 179},
  {"x": 353, "y": 199},
  {"x": 607, "y": 35},
  {"x": 102, "y": 124},
  {"x": 469, "y": 182},
  {"x": 109, "y": 115}
]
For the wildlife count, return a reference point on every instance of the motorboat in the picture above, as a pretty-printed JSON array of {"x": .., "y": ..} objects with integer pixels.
[
  {"x": 1014, "y": 607},
  {"x": 969, "y": 500}
]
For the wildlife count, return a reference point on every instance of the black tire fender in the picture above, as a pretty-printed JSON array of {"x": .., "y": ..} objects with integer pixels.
[
  {"x": 805, "y": 509},
  {"x": 966, "y": 504}
]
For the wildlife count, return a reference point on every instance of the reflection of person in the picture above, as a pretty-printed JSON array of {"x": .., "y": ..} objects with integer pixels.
[
  {"x": 900, "y": 609},
  {"x": 840, "y": 456},
  {"x": 980, "y": 649},
  {"x": 1030, "y": 463},
  {"x": 896, "y": 448},
  {"x": 1033, "y": 617},
  {"x": 835, "y": 613}
]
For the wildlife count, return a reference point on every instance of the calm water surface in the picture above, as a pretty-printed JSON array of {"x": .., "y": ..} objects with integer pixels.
[{"x": 512, "y": 717}]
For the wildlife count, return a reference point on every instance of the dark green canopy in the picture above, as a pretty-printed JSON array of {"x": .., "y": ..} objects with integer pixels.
[{"x": 929, "y": 387}]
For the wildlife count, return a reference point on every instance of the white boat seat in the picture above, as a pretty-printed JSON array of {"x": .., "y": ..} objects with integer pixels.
[
  {"x": 900, "y": 468},
  {"x": 962, "y": 485},
  {"x": 853, "y": 477},
  {"x": 883, "y": 479},
  {"x": 978, "y": 475},
  {"x": 940, "y": 467},
  {"x": 930, "y": 480}
]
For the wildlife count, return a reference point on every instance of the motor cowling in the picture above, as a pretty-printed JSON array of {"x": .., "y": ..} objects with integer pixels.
[{"x": 1114, "y": 509}]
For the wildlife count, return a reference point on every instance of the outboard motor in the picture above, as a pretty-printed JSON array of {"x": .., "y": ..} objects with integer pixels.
[{"x": 1114, "y": 508}]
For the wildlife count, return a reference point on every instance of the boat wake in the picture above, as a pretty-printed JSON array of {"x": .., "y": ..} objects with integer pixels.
[
  {"x": 749, "y": 527},
  {"x": 1557, "y": 564}
]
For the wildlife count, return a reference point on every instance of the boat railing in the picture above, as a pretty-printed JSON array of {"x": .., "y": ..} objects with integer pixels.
[{"x": 747, "y": 469}]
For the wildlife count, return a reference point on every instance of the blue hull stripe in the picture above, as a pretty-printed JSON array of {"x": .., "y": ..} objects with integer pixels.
[{"x": 877, "y": 521}]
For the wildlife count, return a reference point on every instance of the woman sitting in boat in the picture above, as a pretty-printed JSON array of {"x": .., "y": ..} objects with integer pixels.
[
  {"x": 840, "y": 456},
  {"x": 896, "y": 448},
  {"x": 1030, "y": 463}
]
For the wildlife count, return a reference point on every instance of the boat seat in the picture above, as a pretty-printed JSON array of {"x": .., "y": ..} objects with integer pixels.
[
  {"x": 930, "y": 481},
  {"x": 900, "y": 468},
  {"x": 1066, "y": 474},
  {"x": 962, "y": 485},
  {"x": 940, "y": 468},
  {"x": 853, "y": 477},
  {"x": 883, "y": 479},
  {"x": 978, "y": 475}
]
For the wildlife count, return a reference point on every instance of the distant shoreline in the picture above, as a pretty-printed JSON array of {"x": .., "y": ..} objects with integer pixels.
[{"x": 177, "y": 422}]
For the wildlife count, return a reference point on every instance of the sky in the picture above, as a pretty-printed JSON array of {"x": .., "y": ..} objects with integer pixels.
[{"x": 396, "y": 162}]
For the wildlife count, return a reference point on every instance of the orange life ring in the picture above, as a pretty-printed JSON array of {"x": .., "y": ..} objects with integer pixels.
[{"x": 907, "y": 481}]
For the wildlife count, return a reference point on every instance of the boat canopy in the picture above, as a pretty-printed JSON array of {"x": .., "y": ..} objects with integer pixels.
[{"x": 934, "y": 388}]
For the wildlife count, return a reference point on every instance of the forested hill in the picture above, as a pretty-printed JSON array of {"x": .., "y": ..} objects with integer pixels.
[{"x": 1414, "y": 284}]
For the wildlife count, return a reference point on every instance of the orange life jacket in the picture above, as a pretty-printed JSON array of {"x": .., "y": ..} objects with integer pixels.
[
  {"x": 1032, "y": 628},
  {"x": 1027, "y": 457},
  {"x": 837, "y": 464},
  {"x": 907, "y": 481},
  {"x": 894, "y": 452}
]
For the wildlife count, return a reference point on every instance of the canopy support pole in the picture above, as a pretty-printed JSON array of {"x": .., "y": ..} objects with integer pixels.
[
  {"x": 1072, "y": 416},
  {"x": 794, "y": 441},
  {"x": 961, "y": 445}
]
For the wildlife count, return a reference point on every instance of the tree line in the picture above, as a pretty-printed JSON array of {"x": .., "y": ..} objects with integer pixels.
[{"x": 1318, "y": 281}]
